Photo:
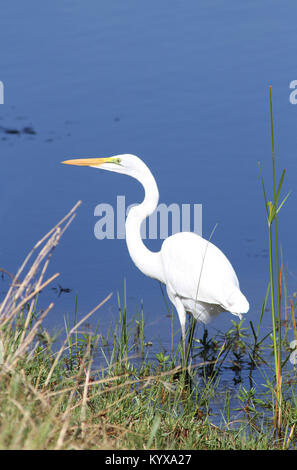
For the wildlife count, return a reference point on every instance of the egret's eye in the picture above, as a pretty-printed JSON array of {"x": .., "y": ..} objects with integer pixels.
[{"x": 117, "y": 161}]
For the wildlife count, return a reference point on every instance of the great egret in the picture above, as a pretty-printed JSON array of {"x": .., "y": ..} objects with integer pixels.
[{"x": 199, "y": 278}]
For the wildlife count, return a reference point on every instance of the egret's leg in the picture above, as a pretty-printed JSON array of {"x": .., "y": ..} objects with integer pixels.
[
  {"x": 182, "y": 318},
  {"x": 191, "y": 336}
]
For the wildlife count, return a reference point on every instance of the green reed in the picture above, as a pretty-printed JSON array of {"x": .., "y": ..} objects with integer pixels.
[{"x": 275, "y": 268}]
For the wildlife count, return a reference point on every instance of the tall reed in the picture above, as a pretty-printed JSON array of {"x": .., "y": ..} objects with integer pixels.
[{"x": 275, "y": 268}]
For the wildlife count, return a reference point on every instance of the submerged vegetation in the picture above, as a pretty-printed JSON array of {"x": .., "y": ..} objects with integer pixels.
[{"x": 89, "y": 391}]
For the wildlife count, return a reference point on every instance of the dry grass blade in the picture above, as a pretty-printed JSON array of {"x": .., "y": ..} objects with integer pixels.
[
  {"x": 65, "y": 420},
  {"x": 73, "y": 329},
  {"x": 83, "y": 413},
  {"x": 20, "y": 289},
  {"x": 25, "y": 342},
  {"x": 25, "y": 287}
]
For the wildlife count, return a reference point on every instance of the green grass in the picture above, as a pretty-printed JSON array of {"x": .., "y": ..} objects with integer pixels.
[
  {"x": 88, "y": 394},
  {"x": 86, "y": 391}
]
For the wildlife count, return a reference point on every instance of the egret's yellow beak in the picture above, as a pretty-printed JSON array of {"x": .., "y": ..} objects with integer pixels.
[{"x": 88, "y": 161}]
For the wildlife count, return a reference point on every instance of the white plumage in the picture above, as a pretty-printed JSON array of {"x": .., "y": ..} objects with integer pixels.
[{"x": 212, "y": 286}]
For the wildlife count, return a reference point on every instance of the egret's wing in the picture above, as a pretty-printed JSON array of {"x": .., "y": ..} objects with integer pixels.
[{"x": 196, "y": 269}]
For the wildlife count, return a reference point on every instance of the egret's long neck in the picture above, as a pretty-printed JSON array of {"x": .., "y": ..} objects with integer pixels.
[{"x": 147, "y": 261}]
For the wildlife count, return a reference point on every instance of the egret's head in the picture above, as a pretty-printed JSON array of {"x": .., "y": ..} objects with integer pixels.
[{"x": 125, "y": 164}]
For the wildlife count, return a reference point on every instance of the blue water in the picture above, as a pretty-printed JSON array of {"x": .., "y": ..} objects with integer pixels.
[{"x": 183, "y": 85}]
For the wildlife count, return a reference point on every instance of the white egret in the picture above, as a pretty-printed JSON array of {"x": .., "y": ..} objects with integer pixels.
[{"x": 199, "y": 278}]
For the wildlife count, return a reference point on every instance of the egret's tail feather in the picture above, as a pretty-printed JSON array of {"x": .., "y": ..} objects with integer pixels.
[{"x": 237, "y": 304}]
